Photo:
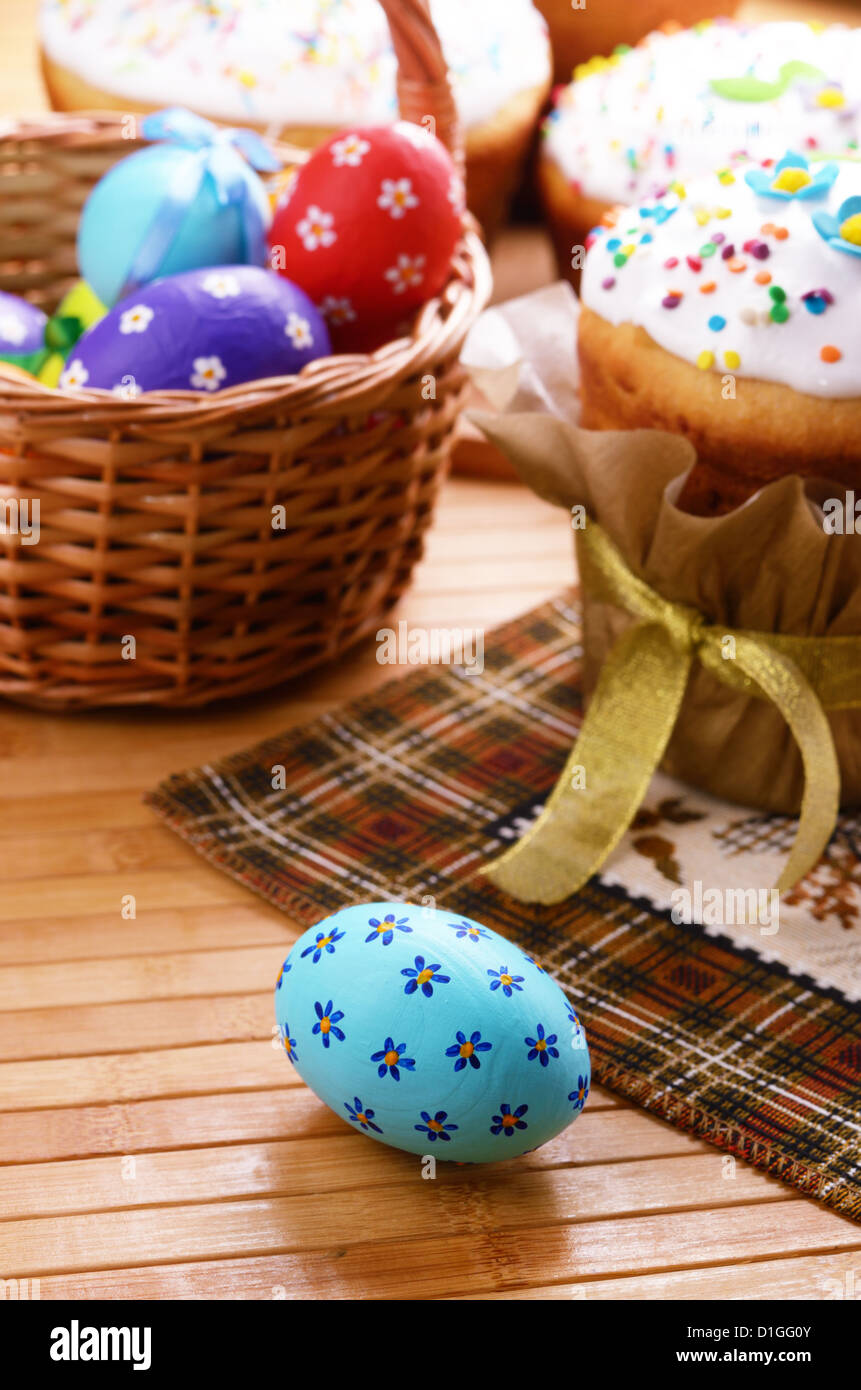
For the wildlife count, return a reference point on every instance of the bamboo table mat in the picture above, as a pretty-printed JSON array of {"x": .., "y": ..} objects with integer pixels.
[{"x": 150, "y": 1039}]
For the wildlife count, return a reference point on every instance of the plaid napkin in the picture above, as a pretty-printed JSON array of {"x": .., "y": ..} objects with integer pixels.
[{"x": 406, "y": 793}]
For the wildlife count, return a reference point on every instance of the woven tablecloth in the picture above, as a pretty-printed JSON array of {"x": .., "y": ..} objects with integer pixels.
[{"x": 750, "y": 1039}]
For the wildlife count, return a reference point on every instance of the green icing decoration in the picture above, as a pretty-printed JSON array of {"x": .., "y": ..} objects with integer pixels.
[{"x": 752, "y": 88}]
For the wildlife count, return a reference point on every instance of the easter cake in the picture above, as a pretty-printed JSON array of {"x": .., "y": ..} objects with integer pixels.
[
  {"x": 728, "y": 313},
  {"x": 305, "y": 69},
  {"x": 635, "y": 125},
  {"x": 579, "y": 30}
]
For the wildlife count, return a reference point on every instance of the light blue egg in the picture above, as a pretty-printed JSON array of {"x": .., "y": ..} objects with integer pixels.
[
  {"x": 138, "y": 199},
  {"x": 431, "y": 1033}
]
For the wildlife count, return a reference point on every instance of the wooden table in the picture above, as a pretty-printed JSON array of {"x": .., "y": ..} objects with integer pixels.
[{"x": 154, "y": 1142}]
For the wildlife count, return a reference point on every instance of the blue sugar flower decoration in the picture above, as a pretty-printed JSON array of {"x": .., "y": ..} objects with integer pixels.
[
  {"x": 387, "y": 928},
  {"x": 391, "y": 1059},
  {"x": 465, "y": 1049},
  {"x": 541, "y": 1046},
  {"x": 508, "y": 1120},
  {"x": 843, "y": 232},
  {"x": 435, "y": 1126},
  {"x": 282, "y": 972},
  {"x": 504, "y": 980},
  {"x": 361, "y": 1116},
  {"x": 424, "y": 977},
  {"x": 327, "y": 1023},
  {"x": 579, "y": 1097},
  {"x": 791, "y": 178},
  {"x": 325, "y": 942}
]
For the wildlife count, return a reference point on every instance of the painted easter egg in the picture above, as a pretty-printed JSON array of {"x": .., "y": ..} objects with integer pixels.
[
  {"x": 431, "y": 1033},
  {"x": 369, "y": 225},
  {"x": 204, "y": 330},
  {"x": 164, "y": 210},
  {"x": 22, "y": 332},
  {"x": 77, "y": 311}
]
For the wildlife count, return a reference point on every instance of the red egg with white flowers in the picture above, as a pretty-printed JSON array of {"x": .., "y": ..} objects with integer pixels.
[{"x": 369, "y": 225}]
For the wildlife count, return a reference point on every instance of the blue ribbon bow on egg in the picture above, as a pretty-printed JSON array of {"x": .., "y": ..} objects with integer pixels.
[
  {"x": 192, "y": 199},
  {"x": 218, "y": 155}
]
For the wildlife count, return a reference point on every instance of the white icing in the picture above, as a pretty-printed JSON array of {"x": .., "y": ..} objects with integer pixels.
[
  {"x": 610, "y": 130},
  {"x": 292, "y": 62},
  {"x": 802, "y": 261}
]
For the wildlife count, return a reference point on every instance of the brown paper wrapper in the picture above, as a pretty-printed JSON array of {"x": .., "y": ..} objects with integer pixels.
[{"x": 768, "y": 566}]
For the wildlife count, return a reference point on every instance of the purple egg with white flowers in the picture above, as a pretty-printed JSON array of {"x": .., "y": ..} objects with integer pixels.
[
  {"x": 203, "y": 330},
  {"x": 22, "y": 327}
]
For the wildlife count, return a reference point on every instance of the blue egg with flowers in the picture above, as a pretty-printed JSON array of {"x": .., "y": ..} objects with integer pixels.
[
  {"x": 192, "y": 198},
  {"x": 431, "y": 1033}
]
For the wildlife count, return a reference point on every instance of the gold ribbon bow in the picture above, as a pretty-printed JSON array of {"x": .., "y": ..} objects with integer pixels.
[{"x": 634, "y": 709}]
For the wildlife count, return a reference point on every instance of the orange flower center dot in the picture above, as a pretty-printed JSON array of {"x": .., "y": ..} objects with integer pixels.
[
  {"x": 508, "y": 1121},
  {"x": 325, "y": 1025},
  {"x": 390, "y": 1059},
  {"x": 467, "y": 1050},
  {"x": 423, "y": 976}
]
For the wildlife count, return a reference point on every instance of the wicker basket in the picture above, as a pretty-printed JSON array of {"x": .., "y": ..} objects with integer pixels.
[{"x": 156, "y": 513}]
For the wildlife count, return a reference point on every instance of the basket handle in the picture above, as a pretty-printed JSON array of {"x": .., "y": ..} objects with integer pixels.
[{"x": 423, "y": 85}]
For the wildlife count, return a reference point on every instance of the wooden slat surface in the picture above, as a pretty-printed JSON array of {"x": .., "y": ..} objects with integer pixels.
[{"x": 154, "y": 1142}]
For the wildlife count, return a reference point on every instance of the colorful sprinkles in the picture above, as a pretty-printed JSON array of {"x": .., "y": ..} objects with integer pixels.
[
  {"x": 741, "y": 253},
  {"x": 631, "y": 123}
]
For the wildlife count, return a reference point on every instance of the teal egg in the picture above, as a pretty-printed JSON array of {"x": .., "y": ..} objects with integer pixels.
[
  {"x": 431, "y": 1033},
  {"x": 138, "y": 199}
]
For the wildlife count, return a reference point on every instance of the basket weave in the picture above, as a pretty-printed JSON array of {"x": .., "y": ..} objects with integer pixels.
[{"x": 156, "y": 513}]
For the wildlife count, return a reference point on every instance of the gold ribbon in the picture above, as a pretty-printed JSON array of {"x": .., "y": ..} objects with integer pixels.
[{"x": 633, "y": 712}]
